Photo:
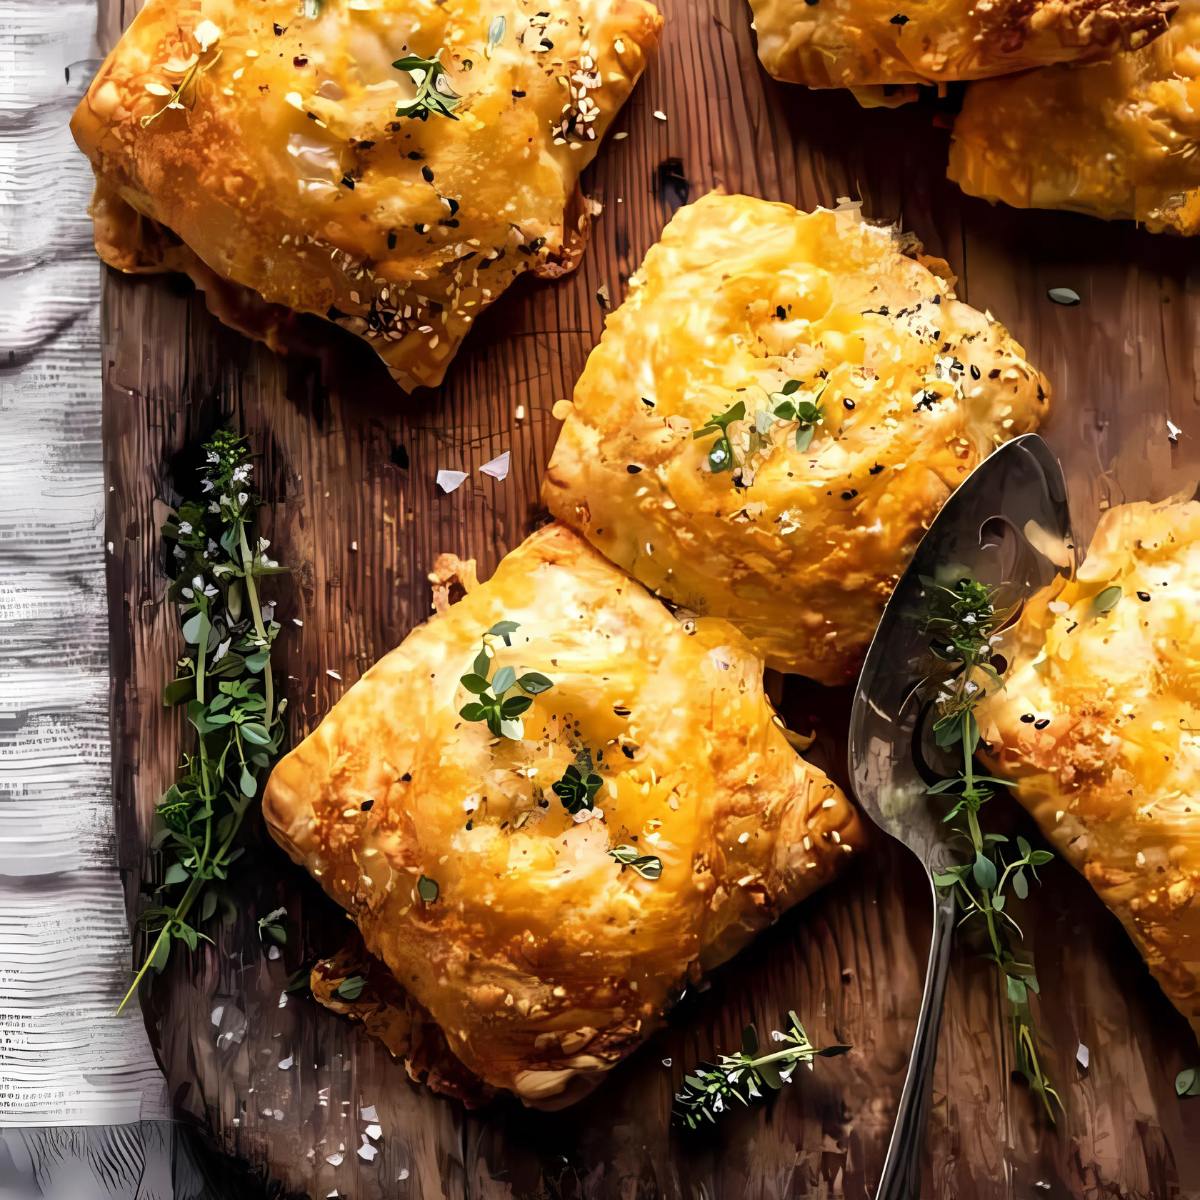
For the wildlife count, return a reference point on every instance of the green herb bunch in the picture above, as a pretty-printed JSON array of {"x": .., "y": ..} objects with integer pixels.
[
  {"x": 225, "y": 684},
  {"x": 499, "y": 702},
  {"x": 434, "y": 93},
  {"x": 961, "y": 621},
  {"x": 748, "y": 1075}
]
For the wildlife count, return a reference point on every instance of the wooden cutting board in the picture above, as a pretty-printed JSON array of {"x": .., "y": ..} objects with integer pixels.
[{"x": 348, "y": 464}]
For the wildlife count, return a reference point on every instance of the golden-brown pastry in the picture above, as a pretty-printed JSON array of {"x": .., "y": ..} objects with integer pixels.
[
  {"x": 542, "y": 957},
  {"x": 281, "y": 143},
  {"x": 1120, "y": 139},
  {"x": 1099, "y": 724},
  {"x": 857, "y": 43},
  {"x": 795, "y": 531}
]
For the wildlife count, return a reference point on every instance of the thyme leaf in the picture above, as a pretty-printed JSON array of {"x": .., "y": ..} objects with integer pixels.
[
  {"x": 579, "y": 784},
  {"x": 648, "y": 866},
  {"x": 720, "y": 455}
]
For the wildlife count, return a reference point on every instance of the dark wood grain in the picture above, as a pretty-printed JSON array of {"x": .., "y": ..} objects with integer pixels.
[{"x": 349, "y": 464}]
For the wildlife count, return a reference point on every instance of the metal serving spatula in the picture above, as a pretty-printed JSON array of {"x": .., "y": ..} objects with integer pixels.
[{"x": 1008, "y": 525}]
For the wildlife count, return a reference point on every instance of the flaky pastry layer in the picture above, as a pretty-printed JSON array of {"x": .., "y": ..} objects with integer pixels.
[
  {"x": 1119, "y": 139},
  {"x": 543, "y": 961},
  {"x": 799, "y": 548},
  {"x": 269, "y": 141},
  {"x": 865, "y": 43},
  {"x": 1099, "y": 724}
]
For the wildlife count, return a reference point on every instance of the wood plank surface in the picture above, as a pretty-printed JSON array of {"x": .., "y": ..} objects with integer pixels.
[{"x": 348, "y": 464}]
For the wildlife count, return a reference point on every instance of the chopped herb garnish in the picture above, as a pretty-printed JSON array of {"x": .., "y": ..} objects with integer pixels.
[
  {"x": 579, "y": 784},
  {"x": 806, "y": 413},
  {"x": 434, "y": 93},
  {"x": 1068, "y": 297},
  {"x": 648, "y": 866},
  {"x": 351, "y": 988},
  {"x": 961, "y": 620},
  {"x": 1187, "y": 1083},
  {"x": 427, "y": 889},
  {"x": 226, "y": 685},
  {"x": 496, "y": 705},
  {"x": 711, "y": 1089},
  {"x": 720, "y": 456},
  {"x": 496, "y": 33}
]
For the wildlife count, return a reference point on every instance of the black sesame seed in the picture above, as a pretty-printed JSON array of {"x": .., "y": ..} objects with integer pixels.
[
  {"x": 1144, "y": 597},
  {"x": 427, "y": 173},
  {"x": 1028, "y": 718},
  {"x": 633, "y": 468},
  {"x": 847, "y": 403},
  {"x": 1042, "y": 723}
]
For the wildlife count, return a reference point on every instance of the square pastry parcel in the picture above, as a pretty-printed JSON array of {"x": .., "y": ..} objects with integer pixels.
[
  {"x": 392, "y": 165},
  {"x": 551, "y": 808}
]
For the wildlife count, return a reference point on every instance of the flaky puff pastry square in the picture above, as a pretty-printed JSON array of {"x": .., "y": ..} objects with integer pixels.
[
  {"x": 277, "y": 142},
  {"x": 1120, "y": 139},
  {"x": 799, "y": 540},
  {"x": 541, "y": 957},
  {"x": 865, "y": 43},
  {"x": 1099, "y": 725}
]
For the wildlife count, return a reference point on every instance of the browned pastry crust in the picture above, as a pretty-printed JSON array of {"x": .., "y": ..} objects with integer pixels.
[
  {"x": 285, "y": 168},
  {"x": 799, "y": 548},
  {"x": 1118, "y": 139},
  {"x": 865, "y": 43},
  {"x": 389, "y": 1013},
  {"x": 543, "y": 961},
  {"x": 1099, "y": 724}
]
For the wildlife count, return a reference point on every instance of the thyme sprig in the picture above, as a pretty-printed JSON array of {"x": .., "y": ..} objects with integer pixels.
[
  {"x": 782, "y": 406},
  {"x": 434, "y": 93},
  {"x": 498, "y": 700},
  {"x": 807, "y": 414},
  {"x": 226, "y": 684},
  {"x": 746, "y": 1076},
  {"x": 962, "y": 621},
  {"x": 175, "y": 97}
]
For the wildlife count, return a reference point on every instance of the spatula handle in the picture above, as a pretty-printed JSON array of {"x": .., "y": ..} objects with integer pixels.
[{"x": 901, "y": 1177}]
